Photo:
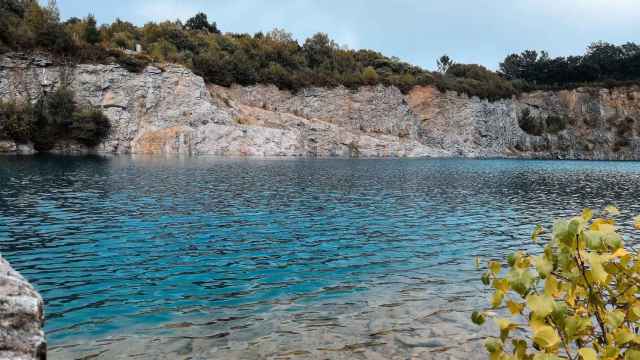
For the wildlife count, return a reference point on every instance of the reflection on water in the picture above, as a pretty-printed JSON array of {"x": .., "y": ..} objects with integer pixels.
[{"x": 230, "y": 258}]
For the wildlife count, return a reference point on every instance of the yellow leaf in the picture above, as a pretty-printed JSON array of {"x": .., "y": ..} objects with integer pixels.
[
  {"x": 603, "y": 225},
  {"x": 613, "y": 240},
  {"x": 632, "y": 355},
  {"x": 571, "y": 299},
  {"x": 514, "y": 307},
  {"x": 598, "y": 272},
  {"x": 577, "y": 326},
  {"x": 545, "y": 356},
  {"x": 593, "y": 239},
  {"x": 522, "y": 262},
  {"x": 493, "y": 345},
  {"x": 519, "y": 349},
  {"x": 575, "y": 226},
  {"x": 551, "y": 286},
  {"x": 535, "y": 324},
  {"x": 623, "y": 336},
  {"x": 536, "y": 232},
  {"x": 636, "y": 222},
  {"x": 496, "y": 300},
  {"x": 621, "y": 252},
  {"x": 634, "y": 312},
  {"x": 588, "y": 354},
  {"x": 607, "y": 228},
  {"x": 505, "y": 324},
  {"x": 587, "y": 214},
  {"x": 560, "y": 230},
  {"x": 494, "y": 267},
  {"x": 612, "y": 210},
  {"x": 501, "y": 284},
  {"x": 546, "y": 337},
  {"x": 543, "y": 265},
  {"x": 541, "y": 305},
  {"x": 610, "y": 353},
  {"x": 615, "y": 318}
]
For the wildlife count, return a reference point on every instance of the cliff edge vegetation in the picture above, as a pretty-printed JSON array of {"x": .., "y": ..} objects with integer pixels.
[{"x": 277, "y": 58}]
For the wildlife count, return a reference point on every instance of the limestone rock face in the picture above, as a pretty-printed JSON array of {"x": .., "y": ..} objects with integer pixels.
[
  {"x": 167, "y": 109},
  {"x": 136, "y": 104},
  {"x": 585, "y": 123},
  {"x": 464, "y": 126},
  {"x": 21, "y": 317},
  {"x": 375, "y": 110},
  {"x": 601, "y": 123},
  {"x": 291, "y": 131}
]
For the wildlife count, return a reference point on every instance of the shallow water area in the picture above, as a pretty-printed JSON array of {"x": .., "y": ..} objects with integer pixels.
[{"x": 210, "y": 258}]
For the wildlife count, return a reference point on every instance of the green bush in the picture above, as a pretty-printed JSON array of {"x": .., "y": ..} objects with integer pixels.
[
  {"x": 534, "y": 125},
  {"x": 475, "y": 80},
  {"x": 277, "y": 58},
  {"x": 16, "y": 121},
  {"x": 135, "y": 63},
  {"x": 579, "y": 298},
  {"x": 529, "y": 123},
  {"x": 89, "y": 127},
  {"x": 53, "y": 118},
  {"x": 555, "y": 124}
]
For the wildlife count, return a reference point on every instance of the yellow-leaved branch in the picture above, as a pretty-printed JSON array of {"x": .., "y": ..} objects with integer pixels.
[{"x": 579, "y": 298}]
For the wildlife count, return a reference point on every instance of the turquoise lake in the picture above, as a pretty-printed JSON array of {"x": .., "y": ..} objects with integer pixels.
[{"x": 210, "y": 258}]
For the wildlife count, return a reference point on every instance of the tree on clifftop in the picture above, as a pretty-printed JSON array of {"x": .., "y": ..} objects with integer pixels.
[
  {"x": 201, "y": 22},
  {"x": 370, "y": 76},
  {"x": 91, "y": 33},
  {"x": 444, "y": 63}
]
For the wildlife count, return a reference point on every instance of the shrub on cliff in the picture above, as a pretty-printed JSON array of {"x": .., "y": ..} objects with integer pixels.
[
  {"x": 579, "y": 298},
  {"x": 89, "y": 126},
  {"x": 52, "y": 118},
  {"x": 555, "y": 123},
  {"x": 536, "y": 125},
  {"x": 16, "y": 121},
  {"x": 475, "y": 80},
  {"x": 530, "y": 124}
]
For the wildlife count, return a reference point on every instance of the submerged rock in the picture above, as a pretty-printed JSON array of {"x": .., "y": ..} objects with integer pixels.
[{"x": 21, "y": 317}]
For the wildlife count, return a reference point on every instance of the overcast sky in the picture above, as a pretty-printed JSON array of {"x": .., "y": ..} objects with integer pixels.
[{"x": 417, "y": 31}]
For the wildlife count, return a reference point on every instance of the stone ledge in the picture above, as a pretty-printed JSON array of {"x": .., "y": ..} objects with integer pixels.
[{"x": 21, "y": 317}]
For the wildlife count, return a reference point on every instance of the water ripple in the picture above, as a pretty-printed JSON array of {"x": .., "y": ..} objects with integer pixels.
[{"x": 222, "y": 258}]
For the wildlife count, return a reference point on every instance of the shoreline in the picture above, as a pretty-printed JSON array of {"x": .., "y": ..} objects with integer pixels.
[{"x": 293, "y": 157}]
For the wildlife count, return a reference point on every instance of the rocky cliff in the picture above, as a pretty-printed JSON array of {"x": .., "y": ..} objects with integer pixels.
[
  {"x": 21, "y": 317},
  {"x": 169, "y": 110}
]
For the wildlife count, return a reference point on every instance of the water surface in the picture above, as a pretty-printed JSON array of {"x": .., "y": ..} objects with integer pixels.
[{"x": 209, "y": 258}]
